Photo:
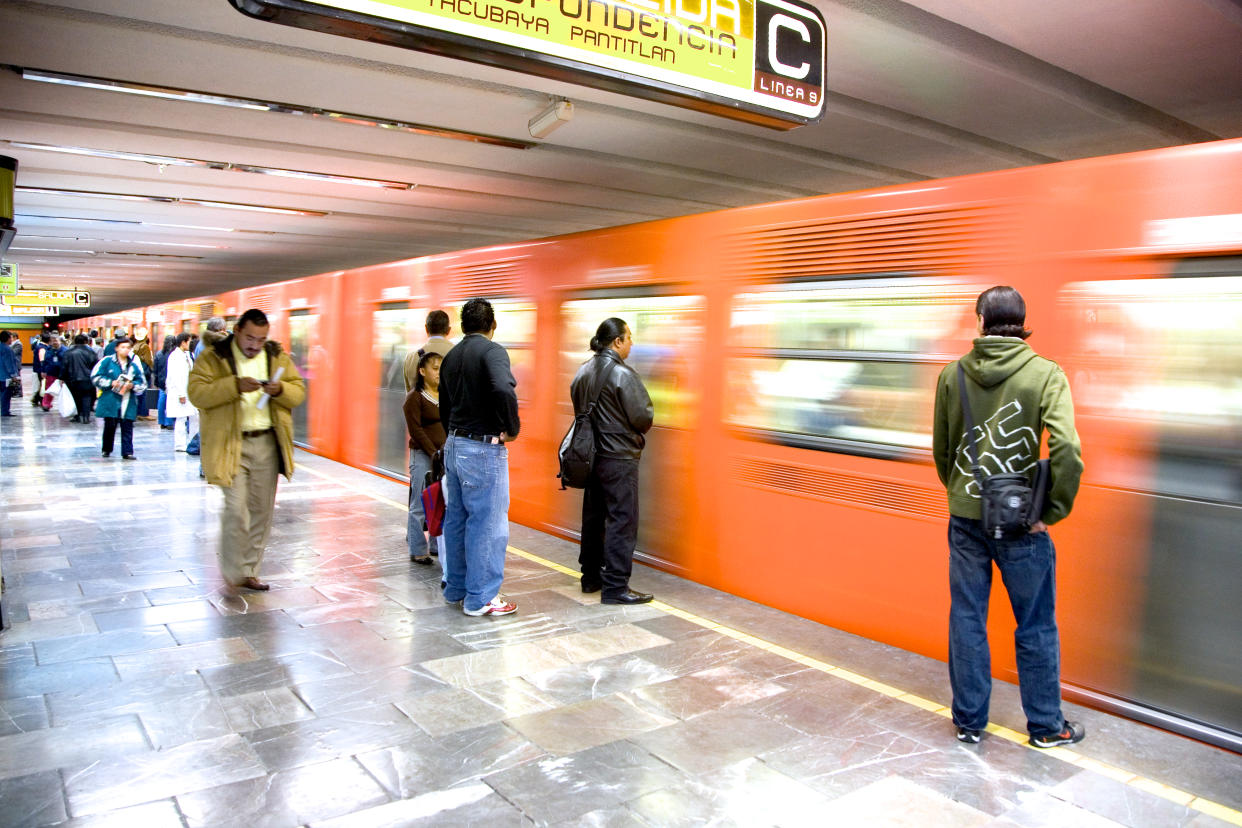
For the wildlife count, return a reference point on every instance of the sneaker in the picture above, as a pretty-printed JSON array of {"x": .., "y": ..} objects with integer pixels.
[
  {"x": 970, "y": 737},
  {"x": 1072, "y": 732},
  {"x": 496, "y": 606}
]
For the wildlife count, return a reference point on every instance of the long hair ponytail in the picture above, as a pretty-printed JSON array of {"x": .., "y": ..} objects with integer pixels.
[{"x": 610, "y": 330}]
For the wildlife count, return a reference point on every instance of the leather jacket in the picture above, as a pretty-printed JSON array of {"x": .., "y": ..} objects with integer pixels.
[{"x": 624, "y": 413}]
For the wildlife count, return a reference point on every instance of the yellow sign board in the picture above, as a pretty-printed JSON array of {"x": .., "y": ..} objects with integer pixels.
[
  {"x": 28, "y": 310},
  {"x": 63, "y": 298},
  {"x": 755, "y": 60}
]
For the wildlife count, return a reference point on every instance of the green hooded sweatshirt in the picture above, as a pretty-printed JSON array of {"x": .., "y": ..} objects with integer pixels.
[{"x": 1014, "y": 395}]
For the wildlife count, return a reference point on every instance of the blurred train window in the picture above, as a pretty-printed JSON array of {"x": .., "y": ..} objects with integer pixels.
[
  {"x": 664, "y": 328},
  {"x": 846, "y": 366},
  {"x": 1168, "y": 353},
  {"x": 303, "y": 350},
  {"x": 397, "y": 330},
  {"x": 515, "y": 330}
]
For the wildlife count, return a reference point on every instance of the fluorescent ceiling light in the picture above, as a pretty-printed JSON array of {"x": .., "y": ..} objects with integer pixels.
[
  {"x": 169, "y": 244},
  {"x": 191, "y": 227},
  {"x": 60, "y": 238},
  {"x": 65, "y": 79},
  {"x": 75, "y": 219},
  {"x": 172, "y": 93},
  {"x": 54, "y": 250},
  {"x": 198, "y": 202},
  {"x": 174, "y": 161}
]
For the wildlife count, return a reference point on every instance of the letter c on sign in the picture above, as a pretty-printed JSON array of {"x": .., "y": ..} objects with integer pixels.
[{"x": 783, "y": 21}]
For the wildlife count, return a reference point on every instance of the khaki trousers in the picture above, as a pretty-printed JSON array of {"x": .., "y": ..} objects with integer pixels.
[{"x": 248, "y": 503}]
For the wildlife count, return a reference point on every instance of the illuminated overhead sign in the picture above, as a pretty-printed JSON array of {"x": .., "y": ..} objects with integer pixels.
[
  {"x": 67, "y": 298},
  {"x": 760, "y": 61},
  {"x": 28, "y": 310},
  {"x": 8, "y": 279}
]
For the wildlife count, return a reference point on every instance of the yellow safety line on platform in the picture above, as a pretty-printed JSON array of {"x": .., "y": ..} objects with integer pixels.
[{"x": 1180, "y": 797}]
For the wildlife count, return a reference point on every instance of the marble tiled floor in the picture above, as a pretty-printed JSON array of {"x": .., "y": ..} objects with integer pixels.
[{"x": 133, "y": 692}]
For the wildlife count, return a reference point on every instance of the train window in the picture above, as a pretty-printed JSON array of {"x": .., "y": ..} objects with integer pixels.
[
  {"x": 1167, "y": 353},
  {"x": 398, "y": 330},
  {"x": 845, "y": 366},
  {"x": 307, "y": 355},
  {"x": 515, "y": 330},
  {"x": 664, "y": 329}
]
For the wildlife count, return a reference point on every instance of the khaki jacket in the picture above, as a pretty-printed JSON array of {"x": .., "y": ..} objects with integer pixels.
[{"x": 213, "y": 391}]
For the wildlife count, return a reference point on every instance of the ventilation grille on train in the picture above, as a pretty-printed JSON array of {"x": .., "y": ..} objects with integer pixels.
[
  {"x": 852, "y": 490},
  {"x": 206, "y": 310},
  {"x": 934, "y": 240},
  {"x": 264, "y": 300},
  {"x": 502, "y": 277}
]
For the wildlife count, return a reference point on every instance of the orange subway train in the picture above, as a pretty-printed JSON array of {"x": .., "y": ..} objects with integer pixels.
[{"x": 791, "y": 350}]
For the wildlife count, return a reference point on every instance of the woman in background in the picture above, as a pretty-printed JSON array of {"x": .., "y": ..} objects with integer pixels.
[{"x": 122, "y": 380}]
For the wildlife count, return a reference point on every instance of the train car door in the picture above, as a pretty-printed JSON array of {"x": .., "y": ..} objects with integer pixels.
[{"x": 668, "y": 332}]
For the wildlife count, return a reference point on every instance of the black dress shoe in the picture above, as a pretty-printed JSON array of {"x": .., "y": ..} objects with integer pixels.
[
  {"x": 627, "y": 597},
  {"x": 590, "y": 586},
  {"x": 425, "y": 560},
  {"x": 255, "y": 584}
]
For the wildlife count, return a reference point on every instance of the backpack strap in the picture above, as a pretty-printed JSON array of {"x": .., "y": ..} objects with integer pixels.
[{"x": 600, "y": 376}]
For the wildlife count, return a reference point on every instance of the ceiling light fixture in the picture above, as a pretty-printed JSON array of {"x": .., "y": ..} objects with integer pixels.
[
  {"x": 39, "y": 218},
  {"x": 554, "y": 114},
  {"x": 54, "y": 250},
  {"x": 174, "y": 161},
  {"x": 198, "y": 202},
  {"x": 172, "y": 93}
]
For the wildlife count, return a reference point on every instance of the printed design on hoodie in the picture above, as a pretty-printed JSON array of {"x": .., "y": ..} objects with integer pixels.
[{"x": 1003, "y": 449}]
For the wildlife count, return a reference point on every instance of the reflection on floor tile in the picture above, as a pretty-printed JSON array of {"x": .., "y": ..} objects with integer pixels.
[
  {"x": 896, "y": 802},
  {"x": 134, "y": 691}
]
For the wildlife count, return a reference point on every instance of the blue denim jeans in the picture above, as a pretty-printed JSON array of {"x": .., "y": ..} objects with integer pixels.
[
  {"x": 476, "y": 520},
  {"x": 1028, "y": 570},
  {"x": 415, "y": 537}
]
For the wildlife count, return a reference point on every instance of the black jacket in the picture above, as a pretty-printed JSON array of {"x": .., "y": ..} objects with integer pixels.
[
  {"x": 77, "y": 363},
  {"x": 477, "y": 389},
  {"x": 161, "y": 368},
  {"x": 624, "y": 412}
]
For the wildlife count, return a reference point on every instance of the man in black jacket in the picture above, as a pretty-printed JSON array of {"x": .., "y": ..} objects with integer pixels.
[
  {"x": 76, "y": 374},
  {"x": 622, "y": 416},
  {"x": 478, "y": 406}
]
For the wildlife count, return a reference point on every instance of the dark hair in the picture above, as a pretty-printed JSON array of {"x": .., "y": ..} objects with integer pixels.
[
  {"x": 421, "y": 382},
  {"x": 124, "y": 340},
  {"x": 94, "y": 333},
  {"x": 80, "y": 339},
  {"x": 1003, "y": 311},
  {"x": 254, "y": 316},
  {"x": 45, "y": 337},
  {"x": 181, "y": 337},
  {"x": 5, "y": 336},
  {"x": 610, "y": 330},
  {"x": 477, "y": 316},
  {"x": 170, "y": 341},
  {"x": 437, "y": 323}
]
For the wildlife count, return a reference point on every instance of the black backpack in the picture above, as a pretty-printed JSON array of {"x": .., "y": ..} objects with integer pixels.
[{"x": 577, "y": 451}]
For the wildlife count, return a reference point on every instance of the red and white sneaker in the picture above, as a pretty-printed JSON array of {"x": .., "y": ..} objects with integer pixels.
[{"x": 497, "y": 606}]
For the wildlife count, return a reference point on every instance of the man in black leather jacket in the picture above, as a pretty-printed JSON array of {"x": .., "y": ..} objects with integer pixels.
[{"x": 622, "y": 416}]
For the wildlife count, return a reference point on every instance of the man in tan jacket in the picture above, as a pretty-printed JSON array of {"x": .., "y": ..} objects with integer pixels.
[{"x": 245, "y": 388}]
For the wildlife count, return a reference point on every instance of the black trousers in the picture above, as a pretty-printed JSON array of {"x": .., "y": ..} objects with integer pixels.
[
  {"x": 83, "y": 398},
  {"x": 127, "y": 435},
  {"x": 609, "y": 525}
]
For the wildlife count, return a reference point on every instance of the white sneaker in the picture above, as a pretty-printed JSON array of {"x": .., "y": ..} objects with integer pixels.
[{"x": 497, "y": 606}]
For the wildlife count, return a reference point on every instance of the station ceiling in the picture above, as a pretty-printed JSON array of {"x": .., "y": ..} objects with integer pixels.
[{"x": 916, "y": 90}]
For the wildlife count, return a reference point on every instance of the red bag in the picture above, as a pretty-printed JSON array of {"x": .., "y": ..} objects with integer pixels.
[{"x": 433, "y": 509}]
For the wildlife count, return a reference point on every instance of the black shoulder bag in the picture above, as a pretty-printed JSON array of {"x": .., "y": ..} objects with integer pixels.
[
  {"x": 577, "y": 451},
  {"x": 1010, "y": 503}
]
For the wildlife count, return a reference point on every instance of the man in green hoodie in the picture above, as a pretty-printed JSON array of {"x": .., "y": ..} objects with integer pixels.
[{"x": 1014, "y": 395}]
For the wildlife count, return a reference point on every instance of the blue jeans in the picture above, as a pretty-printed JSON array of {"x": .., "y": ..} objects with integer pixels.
[
  {"x": 476, "y": 520},
  {"x": 415, "y": 537},
  {"x": 161, "y": 418},
  {"x": 1028, "y": 570}
]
